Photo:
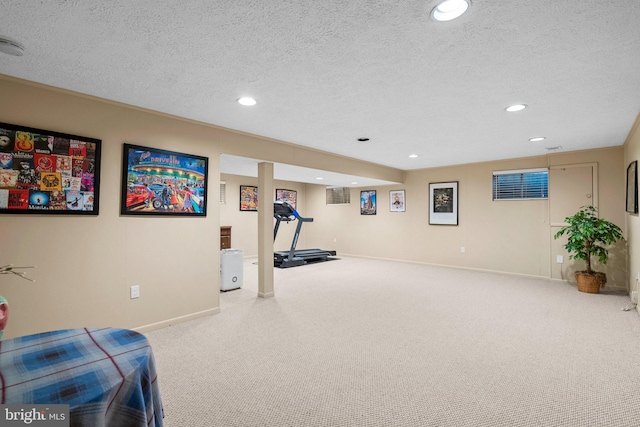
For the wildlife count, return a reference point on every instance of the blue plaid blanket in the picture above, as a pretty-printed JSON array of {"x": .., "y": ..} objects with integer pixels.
[{"x": 107, "y": 376}]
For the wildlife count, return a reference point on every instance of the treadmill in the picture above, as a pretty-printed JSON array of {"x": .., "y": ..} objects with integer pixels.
[{"x": 284, "y": 211}]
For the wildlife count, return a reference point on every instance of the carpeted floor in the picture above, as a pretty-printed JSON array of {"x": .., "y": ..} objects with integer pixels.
[{"x": 358, "y": 342}]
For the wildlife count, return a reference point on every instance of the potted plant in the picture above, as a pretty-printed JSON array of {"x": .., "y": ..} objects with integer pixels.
[{"x": 589, "y": 236}]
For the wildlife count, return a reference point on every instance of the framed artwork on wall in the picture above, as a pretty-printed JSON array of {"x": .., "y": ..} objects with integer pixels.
[
  {"x": 396, "y": 201},
  {"x": 368, "y": 202},
  {"x": 443, "y": 203},
  {"x": 162, "y": 182},
  {"x": 290, "y": 196},
  {"x": 248, "y": 198},
  {"x": 46, "y": 172},
  {"x": 632, "y": 187}
]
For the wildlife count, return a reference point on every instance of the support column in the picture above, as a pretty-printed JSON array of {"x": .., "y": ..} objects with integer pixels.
[{"x": 266, "y": 193}]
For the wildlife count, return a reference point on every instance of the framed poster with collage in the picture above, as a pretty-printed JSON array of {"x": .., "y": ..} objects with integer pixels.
[
  {"x": 290, "y": 196},
  {"x": 46, "y": 172},
  {"x": 249, "y": 198}
]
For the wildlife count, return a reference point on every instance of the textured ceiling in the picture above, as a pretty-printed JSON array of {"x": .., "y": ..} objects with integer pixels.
[{"x": 327, "y": 72}]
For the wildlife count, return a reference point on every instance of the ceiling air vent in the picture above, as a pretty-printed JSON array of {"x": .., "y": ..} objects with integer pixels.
[{"x": 10, "y": 47}]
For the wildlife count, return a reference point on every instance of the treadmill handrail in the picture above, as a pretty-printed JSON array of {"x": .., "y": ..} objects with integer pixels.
[{"x": 282, "y": 211}]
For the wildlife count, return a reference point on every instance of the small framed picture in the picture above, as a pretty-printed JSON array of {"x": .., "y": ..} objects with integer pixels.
[
  {"x": 632, "y": 187},
  {"x": 368, "y": 202},
  {"x": 290, "y": 196},
  {"x": 396, "y": 201},
  {"x": 249, "y": 198},
  {"x": 443, "y": 203}
]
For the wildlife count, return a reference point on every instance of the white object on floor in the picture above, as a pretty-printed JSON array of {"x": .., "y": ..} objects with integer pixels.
[{"x": 231, "y": 265}]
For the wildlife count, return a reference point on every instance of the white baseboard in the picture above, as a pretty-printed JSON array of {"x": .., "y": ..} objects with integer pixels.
[
  {"x": 176, "y": 320},
  {"x": 507, "y": 273},
  {"x": 266, "y": 294},
  {"x": 457, "y": 267}
]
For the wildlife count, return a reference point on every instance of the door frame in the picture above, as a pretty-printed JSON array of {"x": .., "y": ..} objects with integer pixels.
[{"x": 594, "y": 186}]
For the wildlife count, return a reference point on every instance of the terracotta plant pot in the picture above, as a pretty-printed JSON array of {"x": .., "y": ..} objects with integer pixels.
[{"x": 590, "y": 283}]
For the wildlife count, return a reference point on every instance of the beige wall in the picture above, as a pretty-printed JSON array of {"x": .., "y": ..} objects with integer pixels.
[
  {"x": 503, "y": 236},
  {"x": 86, "y": 265},
  {"x": 632, "y": 153},
  {"x": 244, "y": 225}
]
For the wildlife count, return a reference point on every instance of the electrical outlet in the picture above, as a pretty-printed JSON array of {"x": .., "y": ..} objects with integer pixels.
[
  {"x": 559, "y": 259},
  {"x": 135, "y": 292},
  {"x": 462, "y": 249},
  {"x": 335, "y": 240}
]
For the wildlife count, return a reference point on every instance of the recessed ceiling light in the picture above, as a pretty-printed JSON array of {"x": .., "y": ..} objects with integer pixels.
[
  {"x": 449, "y": 9},
  {"x": 319, "y": 177},
  {"x": 537, "y": 138},
  {"x": 413, "y": 156},
  {"x": 516, "y": 107},
  {"x": 354, "y": 182},
  {"x": 247, "y": 101},
  {"x": 11, "y": 47}
]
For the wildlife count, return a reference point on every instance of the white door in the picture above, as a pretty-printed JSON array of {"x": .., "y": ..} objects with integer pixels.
[{"x": 570, "y": 188}]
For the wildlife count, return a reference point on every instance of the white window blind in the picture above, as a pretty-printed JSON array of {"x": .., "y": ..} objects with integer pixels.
[
  {"x": 223, "y": 193},
  {"x": 338, "y": 196},
  {"x": 521, "y": 184}
]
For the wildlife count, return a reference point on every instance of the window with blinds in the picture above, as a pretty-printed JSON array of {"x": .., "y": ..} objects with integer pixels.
[
  {"x": 223, "y": 193},
  {"x": 521, "y": 184},
  {"x": 338, "y": 196}
]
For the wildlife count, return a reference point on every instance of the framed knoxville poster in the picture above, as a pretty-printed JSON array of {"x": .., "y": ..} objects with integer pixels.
[
  {"x": 162, "y": 182},
  {"x": 46, "y": 172}
]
